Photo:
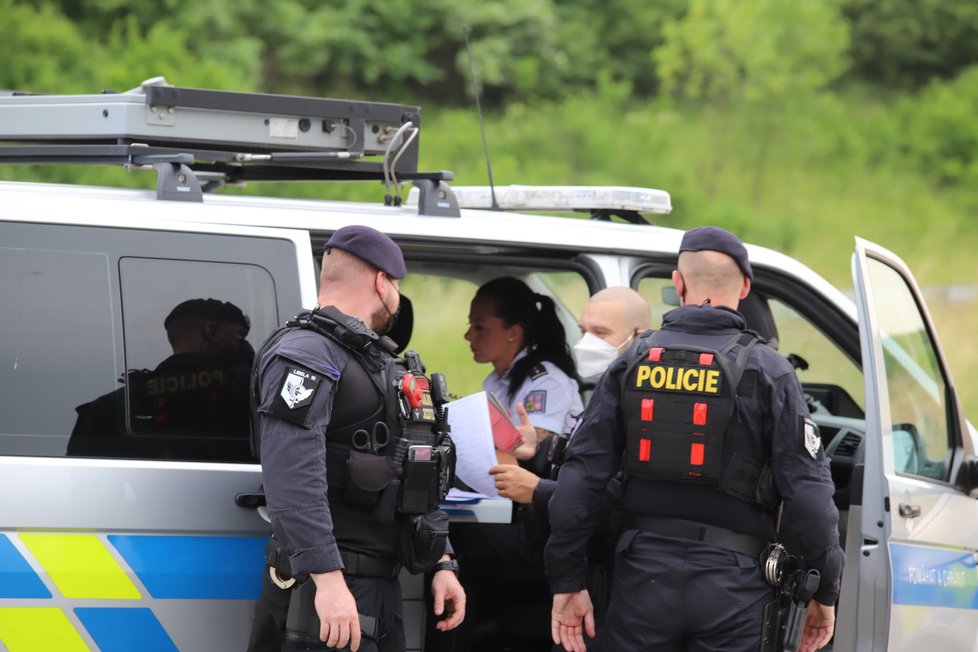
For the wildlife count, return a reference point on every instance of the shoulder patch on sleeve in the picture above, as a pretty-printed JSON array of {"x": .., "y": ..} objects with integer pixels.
[
  {"x": 295, "y": 392},
  {"x": 813, "y": 440},
  {"x": 536, "y": 401},
  {"x": 537, "y": 371}
]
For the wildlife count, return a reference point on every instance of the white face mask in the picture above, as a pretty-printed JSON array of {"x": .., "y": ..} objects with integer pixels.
[{"x": 594, "y": 355}]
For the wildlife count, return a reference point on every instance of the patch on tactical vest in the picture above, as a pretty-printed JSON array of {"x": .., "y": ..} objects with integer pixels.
[
  {"x": 296, "y": 391},
  {"x": 813, "y": 440},
  {"x": 536, "y": 401}
]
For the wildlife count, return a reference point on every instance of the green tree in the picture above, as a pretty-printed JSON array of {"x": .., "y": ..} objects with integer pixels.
[
  {"x": 42, "y": 51},
  {"x": 940, "y": 134},
  {"x": 767, "y": 56},
  {"x": 906, "y": 43}
]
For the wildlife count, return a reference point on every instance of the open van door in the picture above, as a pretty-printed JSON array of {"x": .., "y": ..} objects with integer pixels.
[{"x": 910, "y": 581}]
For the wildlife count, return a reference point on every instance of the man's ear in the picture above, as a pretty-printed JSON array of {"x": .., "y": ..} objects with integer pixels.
[
  {"x": 680, "y": 283},
  {"x": 745, "y": 290},
  {"x": 209, "y": 331}
]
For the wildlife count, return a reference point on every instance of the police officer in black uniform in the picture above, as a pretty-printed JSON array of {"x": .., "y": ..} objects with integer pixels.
[
  {"x": 333, "y": 461},
  {"x": 706, "y": 468}
]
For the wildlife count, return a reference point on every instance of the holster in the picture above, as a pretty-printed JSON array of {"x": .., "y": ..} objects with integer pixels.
[
  {"x": 302, "y": 622},
  {"x": 784, "y": 617}
]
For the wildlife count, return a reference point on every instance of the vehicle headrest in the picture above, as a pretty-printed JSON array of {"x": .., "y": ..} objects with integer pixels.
[{"x": 757, "y": 314}]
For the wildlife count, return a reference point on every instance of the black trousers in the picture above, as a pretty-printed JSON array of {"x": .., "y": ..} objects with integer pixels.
[
  {"x": 507, "y": 596},
  {"x": 671, "y": 595},
  {"x": 377, "y": 597}
]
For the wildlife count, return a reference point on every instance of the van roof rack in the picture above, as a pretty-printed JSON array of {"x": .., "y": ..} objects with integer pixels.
[
  {"x": 602, "y": 202},
  {"x": 199, "y": 139}
]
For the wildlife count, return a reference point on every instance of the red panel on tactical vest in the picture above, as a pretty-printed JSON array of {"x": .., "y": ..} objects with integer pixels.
[
  {"x": 699, "y": 414},
  {"x": 655, "y": 354},
  {"x": 696, "y": 454},
  {"x": 644, "y": 450},
  {"x": 706, "y": 359},
  {"x": 648, "y": 407}
]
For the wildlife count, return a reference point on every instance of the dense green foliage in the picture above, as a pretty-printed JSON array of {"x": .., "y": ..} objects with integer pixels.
[{"x": 797, "y": 124}]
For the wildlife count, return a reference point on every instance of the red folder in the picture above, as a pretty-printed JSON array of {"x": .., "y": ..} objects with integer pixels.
[{"x": 505, "y": 436}]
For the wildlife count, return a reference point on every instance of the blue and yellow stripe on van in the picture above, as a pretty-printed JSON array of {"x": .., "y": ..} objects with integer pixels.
[
  {"x": 58, "y": 591},
  {"x": 934, "y": 577}
]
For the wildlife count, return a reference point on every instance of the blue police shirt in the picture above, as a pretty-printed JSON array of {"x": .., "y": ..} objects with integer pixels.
[{"x": 550, "y": 396}]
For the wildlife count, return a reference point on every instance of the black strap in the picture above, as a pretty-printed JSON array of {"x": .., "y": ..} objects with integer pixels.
[
  {"x": 354, "y": 563},
  {"x": 277, "y": 557},
  {"x": 679, "y": 528},
  {"x": 368, "y": 566}
]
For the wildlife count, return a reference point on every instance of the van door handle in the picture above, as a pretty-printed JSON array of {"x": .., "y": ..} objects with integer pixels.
[
  {"x": 909, "y": 510},
  {"x": 254, "y": 500}
]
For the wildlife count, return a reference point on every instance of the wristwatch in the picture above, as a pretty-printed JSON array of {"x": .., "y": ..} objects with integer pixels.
[{"x": 449, "y": 565}]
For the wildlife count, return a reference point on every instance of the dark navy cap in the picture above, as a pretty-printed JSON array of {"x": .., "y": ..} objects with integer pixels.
[
  {"x": 210, "y": 309},
  {"x": 713, "y": 238},
  {"x": 371, "y": 246}
]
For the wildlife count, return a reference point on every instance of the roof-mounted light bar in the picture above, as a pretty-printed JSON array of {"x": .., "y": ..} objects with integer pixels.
[{"x": 564, "y": 198}]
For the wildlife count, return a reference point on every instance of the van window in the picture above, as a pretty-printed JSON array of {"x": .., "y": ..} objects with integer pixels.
[
  {"x": 188, "y": 347},
  {"x": 57, "y": 343},
  {"x": 915, "y": 382},
  {"x": 828, "y": 375},
  {"x": 107, "y": 351}
]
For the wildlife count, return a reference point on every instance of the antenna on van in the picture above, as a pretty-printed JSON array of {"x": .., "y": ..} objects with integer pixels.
[{"x": 482, "y": 125}]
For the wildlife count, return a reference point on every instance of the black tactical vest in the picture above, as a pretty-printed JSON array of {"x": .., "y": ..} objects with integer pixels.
[
  {"x": 387, "y": 443},
  {"x": 677, "y": 403}
]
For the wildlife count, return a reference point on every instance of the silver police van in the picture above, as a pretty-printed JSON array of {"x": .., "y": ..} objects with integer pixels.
[{"x": 131, "y": 515}]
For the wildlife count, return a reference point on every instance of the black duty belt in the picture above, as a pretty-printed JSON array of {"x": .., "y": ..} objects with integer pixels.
[
  {"x": 367, "y": 566},
  {"x": 679, "y": 528}
]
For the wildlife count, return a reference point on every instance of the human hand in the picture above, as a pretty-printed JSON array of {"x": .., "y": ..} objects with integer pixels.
[
  {"x": 449, "y": 599},
  {"x": 819, "y": 626},
  {"x": 514, "y": 482},
  {"x": 565, "y": 620},
  {"x": 339, "y": 624},
  {"x": 528, "y": 433}
]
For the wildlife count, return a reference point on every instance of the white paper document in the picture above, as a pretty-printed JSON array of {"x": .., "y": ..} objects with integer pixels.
[{"x": 472, "y": 434}]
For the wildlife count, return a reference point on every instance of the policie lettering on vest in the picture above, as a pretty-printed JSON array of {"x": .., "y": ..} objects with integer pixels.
[
  {"x": 678, "y": 379},
  {"x": 679, "y": 401}
]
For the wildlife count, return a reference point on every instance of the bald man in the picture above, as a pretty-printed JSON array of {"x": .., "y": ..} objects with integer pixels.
[{"x": 611, "y": 319}]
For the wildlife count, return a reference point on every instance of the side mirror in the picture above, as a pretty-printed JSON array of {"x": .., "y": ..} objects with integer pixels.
[
  {"x": 906, "y": 448},
  {"x": 669, "y": 295}
]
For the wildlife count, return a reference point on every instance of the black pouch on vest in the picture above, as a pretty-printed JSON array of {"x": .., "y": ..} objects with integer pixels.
[
  {"x": 369, "y": 475},
  {"x": 422, "y": 541}
]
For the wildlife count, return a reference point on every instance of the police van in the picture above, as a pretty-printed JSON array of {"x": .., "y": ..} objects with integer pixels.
[{"x": 131, "y": 516}]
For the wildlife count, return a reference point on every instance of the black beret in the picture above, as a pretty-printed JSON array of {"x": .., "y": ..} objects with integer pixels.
[
  {"x": 713, "y": 238},
  {"x": 372, "y": 246},
  {"x": 210, "y": 309}
]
